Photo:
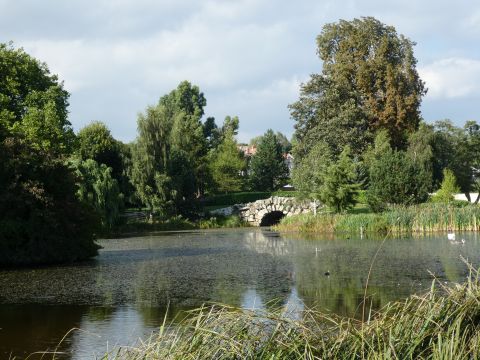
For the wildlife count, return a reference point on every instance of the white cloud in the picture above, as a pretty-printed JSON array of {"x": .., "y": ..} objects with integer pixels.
[
  {"x": 452, "y": 78},
  {"x": 118, "y": 56}
]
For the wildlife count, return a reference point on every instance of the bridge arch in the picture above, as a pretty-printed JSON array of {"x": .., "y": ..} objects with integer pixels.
[
  {"x": 271, "y": 218},
  {"x": 269, "y": 211}
]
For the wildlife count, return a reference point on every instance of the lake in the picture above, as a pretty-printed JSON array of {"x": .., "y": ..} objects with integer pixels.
[{"x": 123, "y": 294}]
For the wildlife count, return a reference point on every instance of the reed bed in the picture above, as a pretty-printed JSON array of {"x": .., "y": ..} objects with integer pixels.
[
  {"x": 442, "y": 324},
  {"x": 397, "y": 219}
]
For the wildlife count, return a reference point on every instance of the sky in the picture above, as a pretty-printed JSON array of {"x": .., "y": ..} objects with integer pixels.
[{"x": 249, "y": 57}]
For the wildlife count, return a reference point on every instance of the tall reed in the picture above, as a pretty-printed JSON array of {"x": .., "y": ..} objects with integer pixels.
[
  {"x": 442, "y": 324},
  {"x": 397, "y": 219}
]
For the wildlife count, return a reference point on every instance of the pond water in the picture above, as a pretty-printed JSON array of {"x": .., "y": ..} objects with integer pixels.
[{"x": 122, "y": 295}]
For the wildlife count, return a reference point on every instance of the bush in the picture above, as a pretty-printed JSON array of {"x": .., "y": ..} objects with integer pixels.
[
  {"x": 448, "y": 188},
  {"x": 41, "y": 220}
]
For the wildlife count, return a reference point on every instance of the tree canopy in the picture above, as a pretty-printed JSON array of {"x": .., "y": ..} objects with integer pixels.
[
  {"x": 268, "y": 170},
  {"x": 226, "y": 165},
  {"x": 368, "y": 82},
  {"x": 33, "y": 102},
  {"x": 41, "y": 220},
  {"x": 169, "y": 156}
]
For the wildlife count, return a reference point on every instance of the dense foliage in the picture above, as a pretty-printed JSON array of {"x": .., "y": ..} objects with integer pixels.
[
  {"x": 448, "y": 188},
  {"x": 396, "y": 177},
  {"x": 97, "y": 143},
  {"x": 33, "y": 102},
  {"x": 227, "y": 165},
  {"x": 368, "y": 82},
  {"x": 169, "y": 156},
  {"x": 325, "y": 177},
  {"x": 41, "y": 220},
  {"x": 97, "y": 188},
  {"x": 367, "y": 98},
  {"x": 268, "y": 170}
]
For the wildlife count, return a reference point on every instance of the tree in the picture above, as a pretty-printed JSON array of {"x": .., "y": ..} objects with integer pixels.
[
  {"x": 226, "y": 165},
  {"x": 394, "y": 177},
  {"x": 339, "y": 187},
  {"x": 457, "y": 149},
  {"x": 169, "y": 167},
  {"x": 41, "y": 220},
  {"x": 33, "y": 102},
  {"x": 97, "y": 143},
  {"x": 308, "y": 175},
  {"x": 368, "y": 82},
  {"x": 321, "y": 176},
  {"x": 97, "y": 188},
  {"x": 420, "y": 154},
  {"x": 448, "y": 187},
  {"x": 286, "y": 145},
  {"x": 268, "y": 170},
  {"x": 230, "y": 125},
  {"x": 150, "y": 159},
  {"x": 184, "y": 106},
  {"x": 212, "y": 133}
]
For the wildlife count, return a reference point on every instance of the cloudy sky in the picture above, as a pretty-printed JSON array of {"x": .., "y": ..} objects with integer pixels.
[{"x": 247, "y": 56}]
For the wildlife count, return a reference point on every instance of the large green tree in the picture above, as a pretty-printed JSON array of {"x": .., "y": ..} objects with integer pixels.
[
  {"x": 33, "y": 102},
  {"x": 368, "y": 82},
  {"x": 328, "y": 178},
  {"x": 339, "y": 189},
  {"x": 169, "y": 166},
  {"x": 41, "y": 220},
  {"x": 268, "y": 170},
  {"x": 458, "y": 149},
  {"x": 395, "y": 176},
  {"x": 97, "y": 143},
  {"x": 227, "y": 165},
  {"x": 97, "y": 188}
]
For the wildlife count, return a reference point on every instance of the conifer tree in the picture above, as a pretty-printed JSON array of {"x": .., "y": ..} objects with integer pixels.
[{"x": 268, "y": 170}]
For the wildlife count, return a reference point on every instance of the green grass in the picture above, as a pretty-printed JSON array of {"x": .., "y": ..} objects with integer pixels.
[
  {"x": 428, "y": 217},
  {"x": 441, "y": 324}
]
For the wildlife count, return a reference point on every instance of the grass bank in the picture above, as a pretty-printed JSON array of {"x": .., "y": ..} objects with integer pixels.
[
  {"x": 428, "y": 217},
  {"x": 442, "y": 324}
]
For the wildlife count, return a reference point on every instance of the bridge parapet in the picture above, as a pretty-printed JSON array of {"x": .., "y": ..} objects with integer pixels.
[{"x": 274, "y": 207}]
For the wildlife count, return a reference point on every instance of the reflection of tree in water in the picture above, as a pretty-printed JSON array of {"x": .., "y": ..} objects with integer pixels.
[
  {"x": 402, "y": 268},
  {"x": 185, "y": 271},
  {"x": 36, "y": 323},
  {"x": 187, "y": 281}
]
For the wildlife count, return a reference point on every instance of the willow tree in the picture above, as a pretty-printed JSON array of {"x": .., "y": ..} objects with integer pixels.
[
  {"x": 169, "y": 156},
  {"x": 368, "y": 82}
]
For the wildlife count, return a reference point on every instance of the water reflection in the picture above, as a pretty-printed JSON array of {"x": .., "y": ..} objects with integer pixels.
[{"x": 123, "y": 294}]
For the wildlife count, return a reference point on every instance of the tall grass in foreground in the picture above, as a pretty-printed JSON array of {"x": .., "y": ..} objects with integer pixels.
[
  {"x": 442, "y": 324},
  {"x": 398, "y": 219}
]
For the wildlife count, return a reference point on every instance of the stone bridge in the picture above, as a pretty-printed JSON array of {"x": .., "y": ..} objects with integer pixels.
[{"x": 269, "y": 211}]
